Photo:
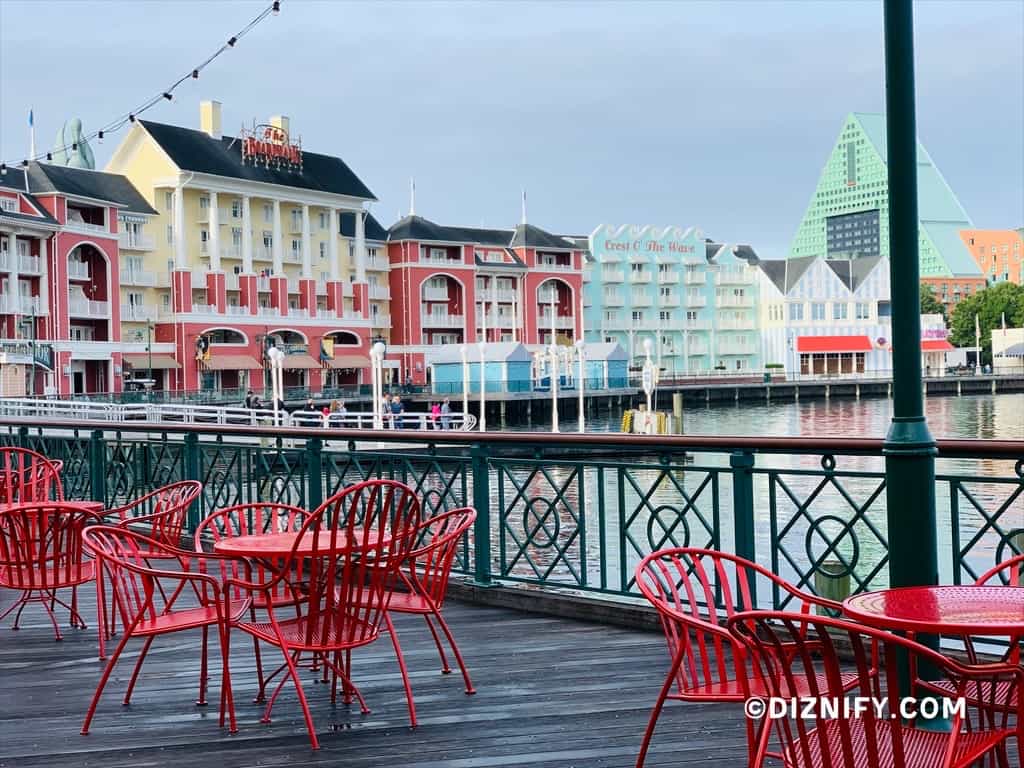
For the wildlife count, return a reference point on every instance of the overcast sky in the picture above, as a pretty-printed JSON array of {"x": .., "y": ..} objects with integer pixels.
[{"x": 714, "y": 114}]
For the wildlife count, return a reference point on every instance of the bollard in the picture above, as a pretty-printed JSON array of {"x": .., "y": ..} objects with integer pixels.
[
  {"x": 831, "y": 581},
  {"x": 677, "y": 412}
]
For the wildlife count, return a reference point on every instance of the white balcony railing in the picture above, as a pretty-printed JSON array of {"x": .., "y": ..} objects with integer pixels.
[
  {"x": 81, "y": 226},
  {"x": 547, "y": 266},
  {"x": 697, "y": 349},
  {"x": 613, "y": 276},
  {"x": 435, "y": 294},
  {"x": 291, "y": 257},
  {"x": 695, "y": 277},
  {"x": 668, "y": 278},
  {"x": 613, "y": 300},
  {"x": 438, "y": 320},
  {"x": 668, "y": 301},
  {"x": 78, "y": 270},
  {"x": 137, "y": 277},
  {"x": 732, "y": 348},
  {"x": 643, "y": 276},
  {"x": 81, "y": 307},
  {"x": 346, "y": 290},
  {"x": 262, "y": 283},
  {"x": 732, "y": 276},
  {"x": 5, "y": 261},
  {"x": 376, "y": 263},
  {"x": 130, "y": 241},
  {"x": 293, "y": 284},
  {"x": 426, "y": 258},
  {"x": 380, "y": 321},
  {"x": 28, "y": 265},
  {"x": 137, "y": 312},
  {"x": 641, "y": 300},
  {"x": 300, "y": 313},
  {"x": 380, "y": 292},
  {"x": 561, "y": 321},
  {"x": 696, "y": 325},
  {"x": 262, "y": 253},
  {"x": 696, "y": 300},
  {"x": 503, "y": 320},
  {"x": 736, "y": 325},
  {"x": 734, "y": 301},
  {"x": 231, "y": 251},
  {"x": 236, "y": 311}
]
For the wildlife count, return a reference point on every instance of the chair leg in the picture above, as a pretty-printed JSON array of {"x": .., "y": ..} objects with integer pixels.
[
  {"x": 203, "y": 669},
  {"x": 53, "y": 619},
  {"x": 227, "y": 697},
  {"x": 19, "y": 603},
  {"x": 455, "y": 649},
  {"x": 103, "y": 682},
  {"x": 401, "y": 666},
  {"x": 445, "y": 669},
  {"x": 138, "y": 668},
  {"x": 302, "y": 699},
  {"x": 656, "y": 712},
  {"x": 101, "y": 614}
]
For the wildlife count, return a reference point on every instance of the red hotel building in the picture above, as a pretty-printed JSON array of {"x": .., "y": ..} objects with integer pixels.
[{"x": 457, "y": 284}]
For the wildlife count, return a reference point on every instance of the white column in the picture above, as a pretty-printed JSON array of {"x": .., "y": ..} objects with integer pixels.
[
  {"x": 14, "y": 290},
  {"x": 180, "y": 252},
  {"x": 360, "y": 247},
  {"x": 246, "y": 236},
  {"x": 332, "y": 246},
  {"x": 213, "y": 241},
  {"x": 307, "y": 249},
  {"x": 44, "y": 273},
  {"x": 277, "y": 248},
  {"x": 494, "y": 306}
]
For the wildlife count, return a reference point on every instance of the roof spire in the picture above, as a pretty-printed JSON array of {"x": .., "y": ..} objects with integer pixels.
[
  {"x": 412, "y": 196},
  {"x": 524, "y": 207}
]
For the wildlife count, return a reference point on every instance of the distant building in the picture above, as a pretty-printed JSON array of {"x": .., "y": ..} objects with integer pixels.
[
  {"x": 848, "y": 216},
  {"x": 999, "y": 253},
  {"x": 694, "y": 299}
]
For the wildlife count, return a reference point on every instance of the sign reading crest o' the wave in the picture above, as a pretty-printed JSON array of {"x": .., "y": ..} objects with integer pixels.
[{"x": 634, "y": 240}]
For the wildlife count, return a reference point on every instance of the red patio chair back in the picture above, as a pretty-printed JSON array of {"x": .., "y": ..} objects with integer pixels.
[
  {"x": 27, "y": 476},
  {"x": 802, "y": 670},
  {"x": 437, "y": 543},
  {"x": 41, "y": 547},
  {"x": 252, "y": 519},
  {"x": 161, "y": 513},
  {"x": 1009, "y": 573}
]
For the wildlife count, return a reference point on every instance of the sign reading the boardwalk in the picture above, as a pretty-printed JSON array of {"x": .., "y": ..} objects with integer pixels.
[
  {"x": 609, "y": 241},
  {"x": 269, "y": 145}
]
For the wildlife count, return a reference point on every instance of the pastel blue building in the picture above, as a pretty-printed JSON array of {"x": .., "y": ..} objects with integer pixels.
[
  {"x": 696, "y": 300},
  {"x": 507, "y": 367}
]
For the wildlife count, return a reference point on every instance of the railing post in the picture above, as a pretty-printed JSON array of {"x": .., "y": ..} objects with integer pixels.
[
  {"x": 191, "y": 470},
  {"x": 742, "y": 463},
  {"x": 315, "y": 472},
  {"x": 482, "y": 526},
  {"x": 23, "y": 437},
  {"x": 97, "y": 466}
]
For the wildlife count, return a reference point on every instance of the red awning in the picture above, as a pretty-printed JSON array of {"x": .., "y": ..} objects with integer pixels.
[
  {"x": 935, "y": 345},
  {"x": 833, "y": 344}
]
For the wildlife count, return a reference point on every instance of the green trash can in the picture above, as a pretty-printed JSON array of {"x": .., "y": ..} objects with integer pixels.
[{"x": 767, "y": 377}]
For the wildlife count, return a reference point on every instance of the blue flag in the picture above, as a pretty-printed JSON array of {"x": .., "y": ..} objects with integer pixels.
[{"x": 30, "y": 121}]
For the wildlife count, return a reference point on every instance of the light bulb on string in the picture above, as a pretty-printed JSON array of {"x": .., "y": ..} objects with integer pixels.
[
  {"x": 231, "y": 41},
  {"x": 169, "y": 96},
  {"x": 99, "y": 137},
  {"x": 195, "y": 74},
  {"x": 276, "y": 8}
]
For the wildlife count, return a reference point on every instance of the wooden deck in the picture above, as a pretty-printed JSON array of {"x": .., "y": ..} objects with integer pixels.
[{"x": 552, "y": 693}]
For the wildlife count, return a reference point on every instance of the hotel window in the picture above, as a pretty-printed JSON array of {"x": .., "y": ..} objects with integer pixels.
[
  {"x": 611, "y": 316},
  {"x": 638, "y": 317},
  {"x": 796, "y": 311},
  {"x": 664, "y": 316},
  {"x": 204, "y": 203},
  {"x": 637, "y": 268},
  {"x": 691, "y": 317},
  {"x": 840, "y": 310},
  {"x": 236, "y": 237},
  {"x": 268, "y": 213},
  {"x": 296, "y": 249},
  {"x": 817, "y": 311},
  {"x": 170, "y": 235},
  {"x": 323, "y": 220},
  {"x": 268, "y": 240},
  {"x": 863, "y": 311},
  {"x": 236, "y": 209},
  {"x": 371, "y": 253},
  {"x": 1006, "y": 248},
  {"x": 168, "y": 200},
  {"x": 666, "y": 293},
  {"x": 296, "y": 220},
  {"x": 323, "y": 250}
]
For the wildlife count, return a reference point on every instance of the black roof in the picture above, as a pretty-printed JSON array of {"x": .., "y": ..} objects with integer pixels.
[
  {"x": 418, "y": 228},
  {"x": 14, "y": 180},
  {"x": 371, "y": 228},
  {"x": 45, "y": 178},
  {"x": 197, "y": 151},
  {"x": 512, "y": 261},
  {"x": 786, "y": 272}
]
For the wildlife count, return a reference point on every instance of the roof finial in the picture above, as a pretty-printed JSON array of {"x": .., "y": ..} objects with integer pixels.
[
  {"x": 524, "y": 206},
  {"x": 412, "y": 196}
]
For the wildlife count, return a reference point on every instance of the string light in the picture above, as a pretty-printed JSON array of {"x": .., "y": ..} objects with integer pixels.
[
  {"x": 164, "y": 94},
  {"x": 49, "y": 157}
]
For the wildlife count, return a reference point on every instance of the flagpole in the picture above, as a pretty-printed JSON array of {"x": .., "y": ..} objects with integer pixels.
[{"x": 31, "y": 135}]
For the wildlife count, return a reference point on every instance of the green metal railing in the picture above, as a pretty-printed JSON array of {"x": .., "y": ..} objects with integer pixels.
[{"x": 578, "y": 512}]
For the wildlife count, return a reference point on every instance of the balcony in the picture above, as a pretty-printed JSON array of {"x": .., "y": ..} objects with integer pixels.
[
  {"x": 696, "y": 300},
  {"x": 613, "y": 300},
  {"x": 501, "y": 321},
  {"x": 613, "y": 276},
  {"x": 380, "y": 320},
  {"x": 695, "y": 277},
  {"x": 697, "y": 349},
  {"x": 136, "y": 312},
  {"x": 695, "y": 325},
  {"x": 236, "y": 311},
  {"x": 129, "y": 241},
  {"x": 204, "y": 309},
  {"x": 438, "y": 320},
  {"x": 291, "y": 257},
  {"x": 78, "y": 270},
  {"x": 643, "y": 276},
  {"x": 302, "y": 314},
  {"x": 262, "y": 283},
  {"x": 86, "y": 228},
  {"x": 641, "y": 300},
  {"x": 82, "y": 307},
  {"x": 28, "y": 265},
  {"x": 293, "y": 284},
  {"x": 426, "y": 258},
  {"x": 376, "y": 263},
  {"x": 726, "y": 347},
  {"x": 262, "y": 253},
  {"x": 230, "y": 251},
  {"x": 435, "y": 294},
  {"x": 668, "y": 278},
  {"x": 547, "y": 266},
  {"x": 380, "y": 292},
  {"x": 561, "y": 321},
  {"x": 668, "y": 301},
  {"x": 734, "y": 301},
  {"x": 731, "y": 276},
  {"x": 137, "y": 277},
  {"x": 736, "y": 325}
]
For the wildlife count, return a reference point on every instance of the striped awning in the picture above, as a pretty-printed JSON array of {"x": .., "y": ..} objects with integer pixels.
[
  {"x": 935, "y": 345},
  {"x": 232, "y": 363},
  {"x": 147, "y": 362},
  {"x": 349, "y": 361},
  {"x": 299, "y": 362}
]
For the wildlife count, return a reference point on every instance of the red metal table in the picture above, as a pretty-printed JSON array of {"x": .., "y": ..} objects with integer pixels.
[
  {"x": 949, "y": 610},
  {"x": 272, "y": 546},
  {"x": 96, "y": 507}
]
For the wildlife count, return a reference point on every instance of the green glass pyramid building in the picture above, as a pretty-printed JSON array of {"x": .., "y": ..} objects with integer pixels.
[{"x": 848, "y": 215}]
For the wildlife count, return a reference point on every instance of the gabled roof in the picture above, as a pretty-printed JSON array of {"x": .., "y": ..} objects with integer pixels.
[
  {"x": 419, "y": 228},
  {"x": 742, "y": 252},
  {"x": 371, "y": 228},
  {"x": 197, "y": 151},
  {"x": 785, "y": 273},
  {"x": 497, "y": 352},
  {"x": 605, "y": 351},
  {"x": 14, "y": 180},
  {"x": 45, "y": 178},
  {"x": 511, "y": 260},
  {"x": 529, "y": 236}
]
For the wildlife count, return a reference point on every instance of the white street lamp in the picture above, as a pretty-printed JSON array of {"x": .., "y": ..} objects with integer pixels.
[
  {"x": 553, "y": 373},
  {"x": 276, "y": 378},
  {"x": 648, "y": 374},
  {"x": 581, "y": 357},
  {"x": 377, "y": 369},
  {"x": 483, "y": 385},
  {"x": 465, "y": 384}
]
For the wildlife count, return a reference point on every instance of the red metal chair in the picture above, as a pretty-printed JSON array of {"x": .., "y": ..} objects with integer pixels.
[
  {"x": 423, "y": 582},
  {"x": 353, "y": 545},
  {"x": 247, "y": 520},
  {"x": 695, "y": 591},
  {"x": 160, "y": 513},
  {"x": 41, "y": 553},
  {"x": 27, "y": 476},
  {"x": 864, "y": 737},
  {"x": 127, "y": 557}
]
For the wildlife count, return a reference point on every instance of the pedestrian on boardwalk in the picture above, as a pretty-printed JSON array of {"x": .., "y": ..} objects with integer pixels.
[
  {"x": 385, "y": 408},
  {"x": 397, "y": 410},
  {"x": 446, "y": 414},
  {"x": 435, "y": 416}
]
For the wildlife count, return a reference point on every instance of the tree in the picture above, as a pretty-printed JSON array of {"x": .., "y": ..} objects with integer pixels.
[
  {"x": 930, "y": 305},
  {"x": 989, "y": 306}
]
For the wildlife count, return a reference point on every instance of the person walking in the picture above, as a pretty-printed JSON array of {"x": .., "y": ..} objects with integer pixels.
[
  {"x": 435, "y": 416},
  {"x": 397, "y": 409},
  {"x": 446, "y": 414},
  {"x": 250, "y": 396},
  {"x": 385, "y": 411}
]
